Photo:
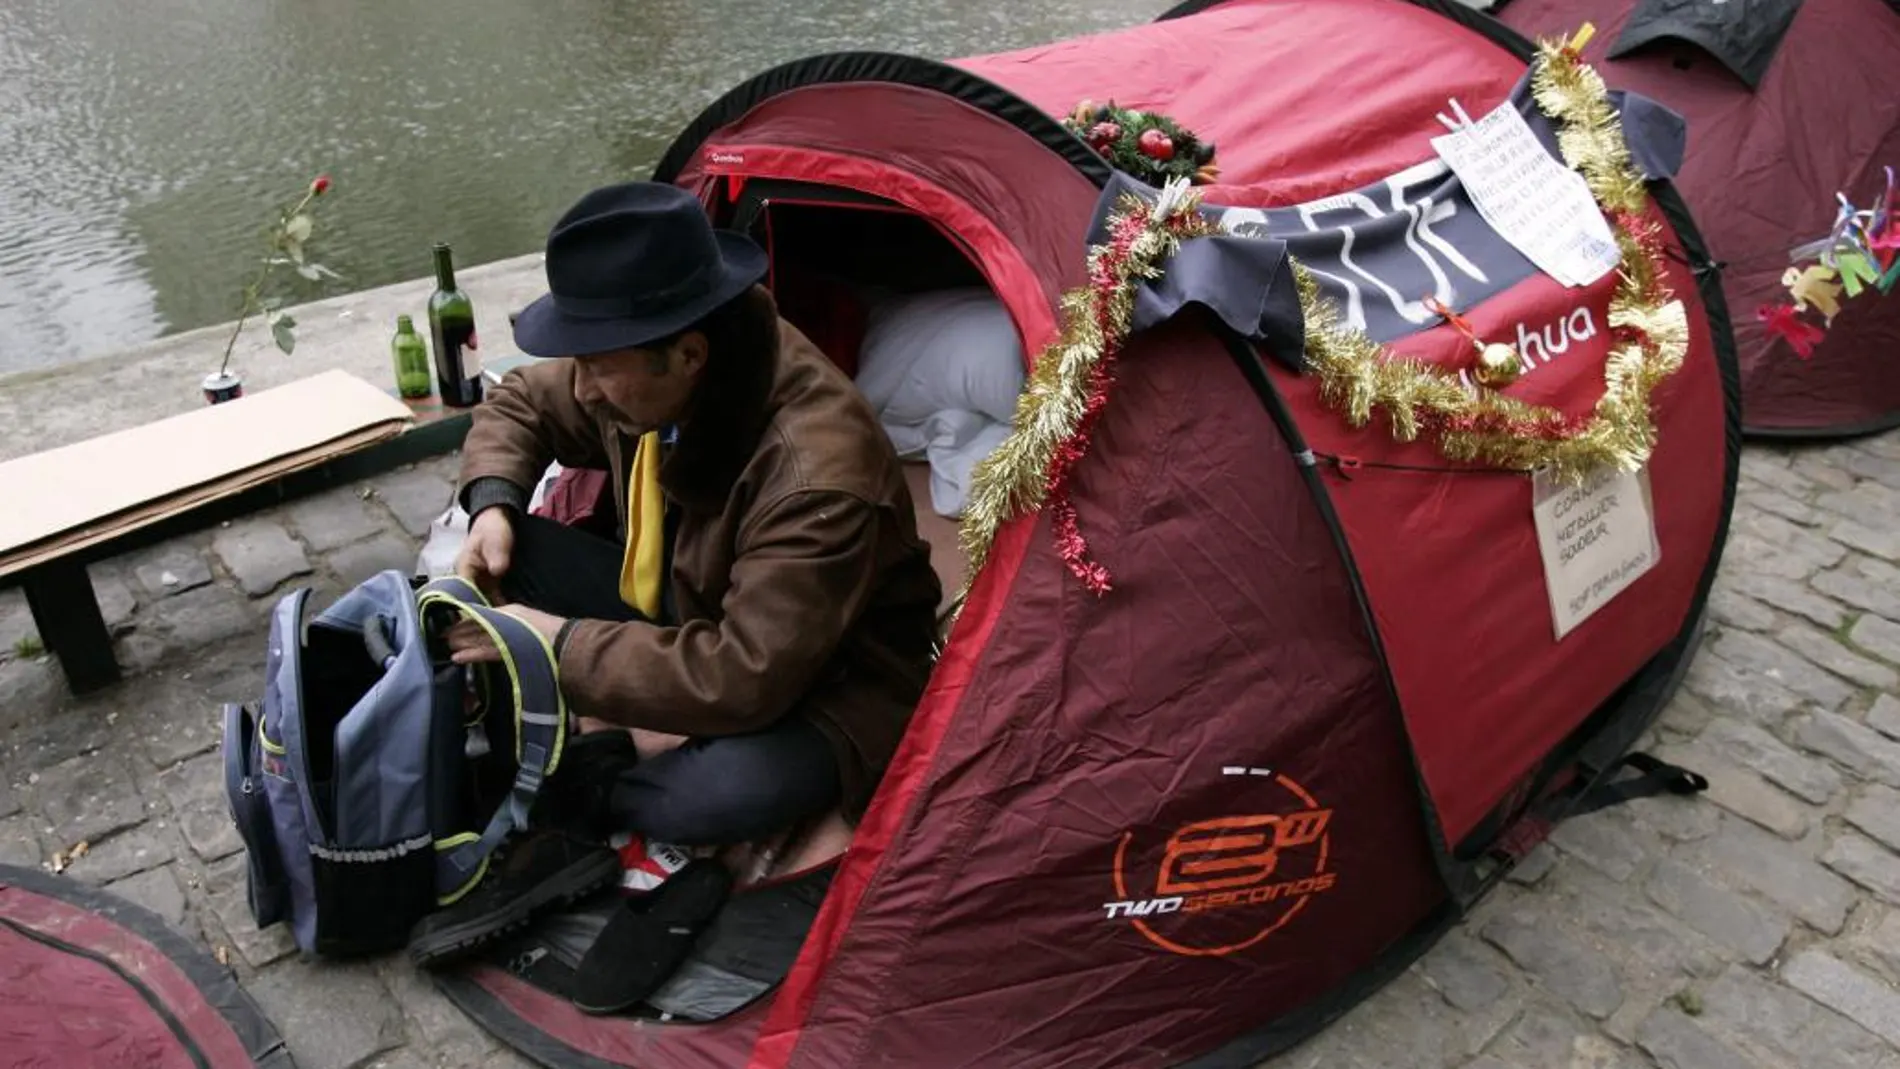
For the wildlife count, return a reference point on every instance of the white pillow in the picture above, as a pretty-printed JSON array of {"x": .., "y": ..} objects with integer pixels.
[
  {"x": 958, "y": 441},
  {"x": 944, "y": 350}
]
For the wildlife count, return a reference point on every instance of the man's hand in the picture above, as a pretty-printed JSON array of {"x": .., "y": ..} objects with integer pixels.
[
  {"x": 488, "y": 550},
  {"x": 469, "y": 644}
]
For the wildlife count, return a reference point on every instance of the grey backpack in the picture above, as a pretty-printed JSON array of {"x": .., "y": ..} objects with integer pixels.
[{"x": 376, "y": 778}]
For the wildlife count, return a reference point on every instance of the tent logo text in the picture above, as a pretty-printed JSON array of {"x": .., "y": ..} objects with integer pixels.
[
  {"x": 1541, "y": 347},
  {"x": 1538, "y": 346},
  {"x": 1225, "y": 884}
]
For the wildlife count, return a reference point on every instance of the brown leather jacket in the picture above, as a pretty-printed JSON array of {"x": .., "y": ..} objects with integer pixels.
[{"x": 800, "y": 581}]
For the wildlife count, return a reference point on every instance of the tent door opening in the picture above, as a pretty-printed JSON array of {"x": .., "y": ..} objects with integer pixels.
[{"x": 897, "y": 301}]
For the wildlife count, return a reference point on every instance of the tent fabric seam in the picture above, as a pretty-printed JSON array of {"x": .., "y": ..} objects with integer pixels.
[{"x": 1254, "y": 370}]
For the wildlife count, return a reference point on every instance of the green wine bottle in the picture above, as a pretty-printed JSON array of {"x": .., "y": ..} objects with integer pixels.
[
  {"x": 458, "y": 372},
  {"x": 411, "y": 356}
]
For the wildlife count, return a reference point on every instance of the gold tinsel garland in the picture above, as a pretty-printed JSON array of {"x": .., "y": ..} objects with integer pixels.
[
  {"x": 1357, "y": 375},
  {"x": 1067, "y": 382}
]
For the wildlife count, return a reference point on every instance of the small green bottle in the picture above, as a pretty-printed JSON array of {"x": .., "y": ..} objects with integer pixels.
[{"x": 411, "y": 353}]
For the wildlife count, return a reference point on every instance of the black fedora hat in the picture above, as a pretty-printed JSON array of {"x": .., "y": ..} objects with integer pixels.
[{"x": 631, "y": 264}]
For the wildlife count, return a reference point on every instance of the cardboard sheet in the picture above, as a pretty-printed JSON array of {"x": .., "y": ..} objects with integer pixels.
[{"x": 85, "y": 493}]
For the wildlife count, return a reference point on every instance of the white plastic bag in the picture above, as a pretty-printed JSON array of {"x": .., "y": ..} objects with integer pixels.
[
  {"x": 541, "y": 488},
  {"x": 444, "y": 544},
  {"x": 450, "y": 530}
]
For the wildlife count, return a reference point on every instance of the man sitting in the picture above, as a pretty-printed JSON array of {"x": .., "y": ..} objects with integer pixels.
[{"x": 770, "y": 598}]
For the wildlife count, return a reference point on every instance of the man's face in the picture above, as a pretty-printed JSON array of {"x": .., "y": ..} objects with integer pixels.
[{"x": 643, "y": 389}]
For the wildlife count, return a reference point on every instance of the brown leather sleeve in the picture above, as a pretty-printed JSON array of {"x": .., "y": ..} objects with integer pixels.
[
  {"x": 531, "y": 418},
  {"x": 805, "y": 570}
]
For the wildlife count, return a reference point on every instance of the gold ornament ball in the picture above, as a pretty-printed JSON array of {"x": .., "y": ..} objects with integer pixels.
[{"x": 1498, "y": 365}]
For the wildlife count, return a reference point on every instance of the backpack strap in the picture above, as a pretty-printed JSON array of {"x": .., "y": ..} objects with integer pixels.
[{"x": 540, "y": 715}]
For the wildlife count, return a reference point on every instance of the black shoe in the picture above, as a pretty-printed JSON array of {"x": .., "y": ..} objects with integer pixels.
[
  {"x": 538, "y": 872},
  {"x": 648, "y": 939}
]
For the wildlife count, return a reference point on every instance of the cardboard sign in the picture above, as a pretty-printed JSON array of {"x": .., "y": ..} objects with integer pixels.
[
  {"x": 1597, "y": 539},
  {"x": 1536, "y": 203},
  {"x": 95, "y": 490}
]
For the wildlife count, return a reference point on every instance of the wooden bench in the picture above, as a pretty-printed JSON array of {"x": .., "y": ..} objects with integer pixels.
[{"x": 119, "y": 492}]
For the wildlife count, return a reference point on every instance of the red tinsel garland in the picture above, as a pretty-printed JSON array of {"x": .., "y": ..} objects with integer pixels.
[{"x": 1104, "y": 280}]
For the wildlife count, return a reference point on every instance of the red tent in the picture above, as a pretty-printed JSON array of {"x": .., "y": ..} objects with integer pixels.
[
  {"x": 87, "y": 978},
  {"x": 1325, "y": 702},
  {"x": 1764, "y": 163}
]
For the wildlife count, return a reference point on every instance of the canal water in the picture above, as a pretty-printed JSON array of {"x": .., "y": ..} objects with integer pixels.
[{"x": 144, "y": 143}]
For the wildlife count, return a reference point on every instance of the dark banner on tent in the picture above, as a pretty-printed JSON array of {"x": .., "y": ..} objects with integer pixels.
[{"x": 1382, "y": 250}]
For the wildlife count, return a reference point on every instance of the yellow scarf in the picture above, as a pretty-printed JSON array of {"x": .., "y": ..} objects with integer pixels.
[{"x": 641, "y": 570}]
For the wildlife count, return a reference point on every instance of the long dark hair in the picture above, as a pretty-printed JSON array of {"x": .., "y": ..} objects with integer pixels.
[
  {"x": 729, "y": 404},
  {"x": 741, "y": 330}
]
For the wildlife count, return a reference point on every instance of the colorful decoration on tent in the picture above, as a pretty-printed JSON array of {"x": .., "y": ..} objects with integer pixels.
[
  {"x": 1860, "y": 255},
  {"x": 1358, "y": 376},
  {"x": 1784, "y": 321},
  {"x": 1069, "y": 386},
  {"x": 1146, "y": 144},
  {"x": 1814, "y": 287}
]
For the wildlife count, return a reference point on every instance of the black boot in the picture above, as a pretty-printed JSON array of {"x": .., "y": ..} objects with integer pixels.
[{"x": 540, "y": 871}]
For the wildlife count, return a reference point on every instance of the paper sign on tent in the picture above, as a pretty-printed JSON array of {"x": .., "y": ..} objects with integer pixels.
[
  {"x": 1543, "y": 208},
  {"x": 1596, "y": 540}
]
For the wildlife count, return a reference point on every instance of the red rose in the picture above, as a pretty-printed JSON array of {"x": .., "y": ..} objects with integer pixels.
[
  {"x": 1104, "y": 134},
  {"x": 1155, "y": 145},
  {"x": 321, "y": 184}
]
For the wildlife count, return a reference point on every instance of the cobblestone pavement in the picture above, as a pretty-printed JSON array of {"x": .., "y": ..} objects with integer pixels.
[{"x": 1757, "y": 926}]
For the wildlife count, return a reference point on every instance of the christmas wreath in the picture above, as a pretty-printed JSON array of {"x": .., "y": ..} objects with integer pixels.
[{"x": 1149, "y": 146}]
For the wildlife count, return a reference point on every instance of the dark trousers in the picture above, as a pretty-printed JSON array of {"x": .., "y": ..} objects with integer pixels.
[{"x": 709, "y": 791}]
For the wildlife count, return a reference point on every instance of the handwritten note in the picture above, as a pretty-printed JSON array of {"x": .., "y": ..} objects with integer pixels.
[
  {"x": 1597, "y": 539},
  {"x": 1540, "y": 206}
]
